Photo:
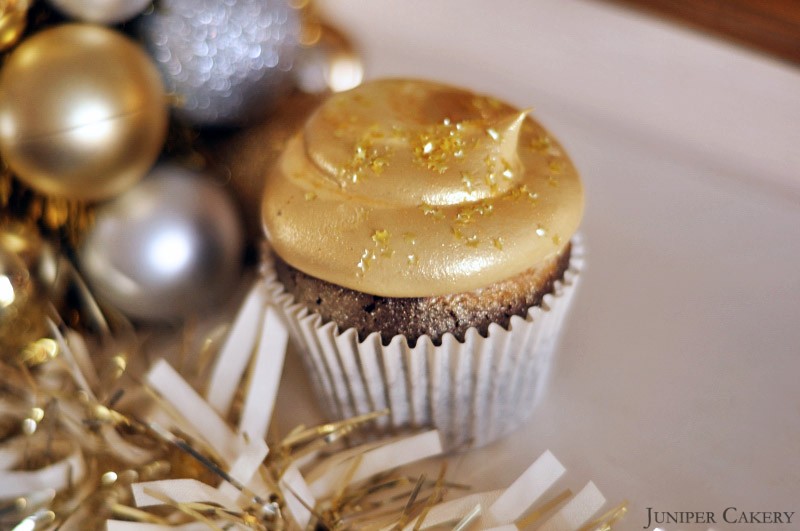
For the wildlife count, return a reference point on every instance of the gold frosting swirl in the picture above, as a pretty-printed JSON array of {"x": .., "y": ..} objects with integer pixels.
[{"x": 405, "y": 188}]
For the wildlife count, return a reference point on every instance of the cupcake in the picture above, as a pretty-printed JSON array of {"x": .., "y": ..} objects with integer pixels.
[{"x": 423, "y": 255}]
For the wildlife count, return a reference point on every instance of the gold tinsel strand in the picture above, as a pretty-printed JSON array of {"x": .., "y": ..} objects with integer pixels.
[{"x": 66, "y": 401}]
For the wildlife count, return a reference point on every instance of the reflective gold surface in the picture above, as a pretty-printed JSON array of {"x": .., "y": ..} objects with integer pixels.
[
  {"x": 408, "y": 188},
  {"x": 82, "y": 112},
  {"x": 101, "y": 11},
  {"x": 13, "y": 18}
]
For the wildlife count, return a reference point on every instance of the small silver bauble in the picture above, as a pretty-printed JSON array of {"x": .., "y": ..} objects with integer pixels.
[
  {"x": 226, "y": 61},
  {"x": 101, "y": 11},
  {"x": 170, "y": 246}
]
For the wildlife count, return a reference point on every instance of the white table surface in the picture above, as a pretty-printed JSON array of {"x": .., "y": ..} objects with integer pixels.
[{"x": 676, "y": 384}]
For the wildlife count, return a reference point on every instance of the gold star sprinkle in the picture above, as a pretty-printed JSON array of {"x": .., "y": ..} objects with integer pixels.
[
  {"x": 430, "y": 210},
  {"x": 508, "y": 173},
  {"x": 368, "y": 157},
  {"x": 541, "y": 143},
  {"x": 381, "y": 237},
  {"x": 556, "y": 167},
  {"x": 410, "y": 238},
  {"x": 366, "y": 260},
  {"x": 434, "y": 146},
  {"x": 466, "y": 178}
]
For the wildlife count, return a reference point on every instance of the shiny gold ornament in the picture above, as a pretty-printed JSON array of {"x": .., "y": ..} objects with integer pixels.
[
  {"x": 13, "y": 17},
  {"x": 101, "y": 11},
  {"x": 83, "y": 114}
]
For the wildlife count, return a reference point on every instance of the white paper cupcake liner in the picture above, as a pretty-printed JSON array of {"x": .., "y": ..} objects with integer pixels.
[{"x": 473, "y": 391}]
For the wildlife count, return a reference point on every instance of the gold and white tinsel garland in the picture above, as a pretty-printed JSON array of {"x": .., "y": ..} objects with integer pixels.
[{"x": 87, "y": 444}]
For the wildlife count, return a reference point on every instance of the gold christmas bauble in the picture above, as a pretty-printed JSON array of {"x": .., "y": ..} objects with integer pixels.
[
  {"x": 13, "y": 18},
  {"x": 83, "y": 114},
  {"x": 101, "y": 11}
]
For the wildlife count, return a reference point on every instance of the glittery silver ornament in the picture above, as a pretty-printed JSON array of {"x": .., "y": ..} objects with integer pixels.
[
  {"x": 228, "y": 61},
  {"x": 101, "y": 11},
  {"x": 170, "y": 246}
]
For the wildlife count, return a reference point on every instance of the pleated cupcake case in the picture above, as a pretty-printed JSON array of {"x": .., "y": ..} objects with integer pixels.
[{"x": 473, "y": 391}]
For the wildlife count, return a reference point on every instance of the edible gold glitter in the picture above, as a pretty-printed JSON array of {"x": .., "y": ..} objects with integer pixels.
[
  {"x": 399, "y": 133},
  {"x": 363, "y": 264},
  {"x": 522, "y": 191},
  {"x": 491, "y": 178},
  {"x": 492, "y": 132},
  {"x": 310, "y": 196},
  {"x": 466, "y": 178},
  {"x": 557, "y": 239},
  {"x": 540, "y": 231},
  {"x": 468, "y": 213},
  {"x": 412, "y": 259},
  {"x": 410, "y": 238},
  {"x": 381, "y": 237},
  {"x": 556, "y": 167},
  {"x": 430, "y": 210},
  {"x": 544, "y": 144},
  {"x": 489, "y": 161},
  {"x": 367, "y": 157},
  {"x": 435, "y": 145},
  {"x": 541, "y": 143},
  {"x": 498, "y": 243},
  {"x": 473, "y": 241},
  {"x": 464, "y": 216},
  {"x": 508, "y": 172},
  {"x": 382, "y": 249},
  {"x": 378, "y": 165}
]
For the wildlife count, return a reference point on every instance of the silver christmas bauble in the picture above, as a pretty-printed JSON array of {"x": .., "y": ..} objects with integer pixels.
[
  {"x": 226, "y": 61},
  {"x": 101, "y": 11},
  {"x": 170, "y": 246}
]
